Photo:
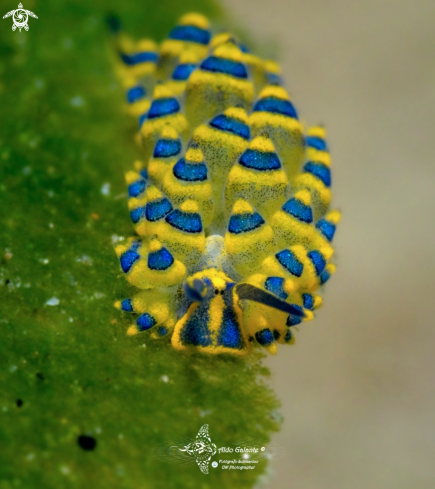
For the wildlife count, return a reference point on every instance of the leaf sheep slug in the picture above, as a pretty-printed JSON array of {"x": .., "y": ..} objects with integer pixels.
[{"x": 231, "y": 201}]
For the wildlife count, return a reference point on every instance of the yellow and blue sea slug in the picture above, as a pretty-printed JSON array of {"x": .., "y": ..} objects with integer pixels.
[{"x": 230, "y": 201}]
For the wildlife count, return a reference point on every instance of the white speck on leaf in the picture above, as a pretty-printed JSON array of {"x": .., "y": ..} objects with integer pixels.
[
  {"x": 77, "y": 101},
  {"x": 54, "y": 301},
  {"x": 105, "y": 188},
  {"x": 67, "y": 43},
  {"x": 39, "y": 83},
  {"x": 204, "y": 412},
  {"x": 85, "y": 259}
]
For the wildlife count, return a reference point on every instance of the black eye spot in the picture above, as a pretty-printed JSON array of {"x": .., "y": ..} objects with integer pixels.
[
  {"x": 87, "y": 442},
  {"x": 19, "y": 402},
  {"x": 222, "y": 292},
  {"x": 216, "y": 291}
]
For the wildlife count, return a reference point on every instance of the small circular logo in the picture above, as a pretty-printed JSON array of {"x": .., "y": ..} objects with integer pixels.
[
  {"x": 20, "y": 16},
  {"x": 263, "y": 448},
  {"x": 214, "y": 464}
]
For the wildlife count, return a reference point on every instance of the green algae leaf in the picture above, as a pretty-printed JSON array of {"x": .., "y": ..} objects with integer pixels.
[{"x": 82, "y": 404}]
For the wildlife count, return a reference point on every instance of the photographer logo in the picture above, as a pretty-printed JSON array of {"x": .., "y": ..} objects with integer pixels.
[
  {"x": 20, "y": 16},
  {"x": 245, "y": 456},
  {"x": 201, "y": 448}
]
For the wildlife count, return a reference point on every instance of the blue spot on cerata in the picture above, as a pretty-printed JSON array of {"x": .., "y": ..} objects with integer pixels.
[
  {"x": 157, "y": 209},
  {"x": 324, "y": 276},
  {"x": 326, "y": 228},
  {"x": 190, "y": 33},
  {"x": 319, "y": 170},
  {"x": 190, "y": 172},
  {"x": 137, "y": 214},
  {"x": 126, "y": 305},
  {"x": 318, "y": 260},
  {"x": 136, "y": 58},
  {"x": 264, "y": 337},
  {"x": 145, "y": 321},
  {"x": 316, "y": 143},
  {"x": 142, "y": 119},
  {"x": 274, "y": 79},
  {"x": 289, "y": 261},
  {"x": 227, "y": 66},
  {"x": 308, "y": 301},
  {"x": 195, "y": 332},
  {"x": 288, "y": 336},
  {"x": 136, "y": 188},
  {"x": 295, "y": 320},
  {"x": 167, "y": 147},
  {"x": 229, "y": 332},
  {"x": 160, "y": 260},
  {"x": 260, "y": 161},
  {"x": 163, "y": 106},
  {"x": 276, "y": 286},
  {"x": 189, "y": 222},
  {"x": 129, "y": 257},
  {"x": 228, "y": 124},
  {"x": 144, "y": 173},
  {"x": 243, "y": 48},
  {"x": 276, "y": 106},
  {"x": 162, "y": 331},
  {"x": 298, "y": 209},
  {"x": 135, "y": 93},
  {"x": 242, "y": 223},
  {"x": 182, "y": 72}
]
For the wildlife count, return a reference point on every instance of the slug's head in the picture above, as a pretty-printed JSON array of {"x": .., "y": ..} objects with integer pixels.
[
  {"x": 207, "y": 286},
  {"x": 213, "y": 321},
  {"x": 204, "y": 288}
]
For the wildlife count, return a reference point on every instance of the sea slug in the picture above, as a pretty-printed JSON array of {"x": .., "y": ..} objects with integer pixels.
[{"x": 231, "y": 201}]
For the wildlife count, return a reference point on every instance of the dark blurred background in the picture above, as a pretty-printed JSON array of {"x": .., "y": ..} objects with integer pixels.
[{"x": 357, "y": 389}]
